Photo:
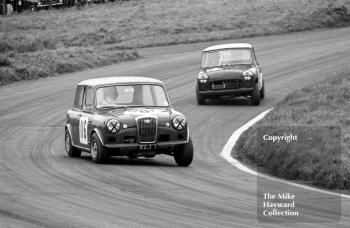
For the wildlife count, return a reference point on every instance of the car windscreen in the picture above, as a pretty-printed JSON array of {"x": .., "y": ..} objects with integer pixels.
[
  {"x": 226, "y": 57},
  {"x": 131, "y": 95}
]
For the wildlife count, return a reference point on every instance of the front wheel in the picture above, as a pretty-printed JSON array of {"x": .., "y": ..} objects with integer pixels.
[
  {"x": 262, "y": 91},
  {"x": 98, "y": 153},
  {"x": 70, "y": 149},
  {"x": 200, "y": 98},
  {"x": 255, "y": 97},
  {"x": 183, "y": 154}
]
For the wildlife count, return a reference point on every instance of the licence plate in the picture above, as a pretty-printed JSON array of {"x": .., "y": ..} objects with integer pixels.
[{"x": 147, "y": 147}]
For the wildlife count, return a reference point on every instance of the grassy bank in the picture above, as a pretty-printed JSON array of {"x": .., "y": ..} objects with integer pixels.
[
  {"x": 323, "y": 104},
  {"x": 39, "y": 44}
]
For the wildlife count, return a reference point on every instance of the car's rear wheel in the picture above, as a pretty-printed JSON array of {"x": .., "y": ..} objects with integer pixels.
[
  {"x": 98, "y": 153},
  {"x": 183, "y": 154},
  {"x": 70, "y": 149},
  {"x": 262, "y": 91},
  {"x": 255, "y": 97}
]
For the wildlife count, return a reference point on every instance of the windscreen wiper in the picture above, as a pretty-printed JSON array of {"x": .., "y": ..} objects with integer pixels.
[
  {"x": 233, "y": 64},
  {"x": 113, "y": 106}
]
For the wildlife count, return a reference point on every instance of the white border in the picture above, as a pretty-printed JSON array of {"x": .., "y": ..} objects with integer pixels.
[{"x": 226, "y": 154}]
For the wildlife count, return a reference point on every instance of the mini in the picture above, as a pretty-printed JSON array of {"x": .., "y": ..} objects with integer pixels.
[
  {"x": 126, "y": 116},
  {"x": 230, "y": 70}
]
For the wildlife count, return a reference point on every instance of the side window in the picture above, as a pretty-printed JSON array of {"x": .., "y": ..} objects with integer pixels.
[
  {"x": 87, "y": 104},
  {"x": 78, "y": 101}
]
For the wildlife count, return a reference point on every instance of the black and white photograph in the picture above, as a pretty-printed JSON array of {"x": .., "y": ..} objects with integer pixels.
[{"x": 174, "y": 113}]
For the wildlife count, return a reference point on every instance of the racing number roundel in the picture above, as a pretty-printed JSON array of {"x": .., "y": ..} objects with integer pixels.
[{"x": 83, "y": 130}]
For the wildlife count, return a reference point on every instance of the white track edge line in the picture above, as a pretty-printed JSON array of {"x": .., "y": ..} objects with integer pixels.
[{"x": 226, "y": 154}]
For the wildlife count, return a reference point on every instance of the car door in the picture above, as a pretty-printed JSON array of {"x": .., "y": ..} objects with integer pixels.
[
  {"x": 86, "y": 118},
  {"x": 75, "y": 114}
]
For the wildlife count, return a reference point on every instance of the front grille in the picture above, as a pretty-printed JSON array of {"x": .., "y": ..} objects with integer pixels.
[
  {"x": 226, "y": 84},
  {"x": 147, "y": 129}
]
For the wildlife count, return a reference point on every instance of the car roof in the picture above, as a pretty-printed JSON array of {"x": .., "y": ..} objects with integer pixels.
[
  {"x": 228, "y": 46},
  {"x": 120, "y": 80}
]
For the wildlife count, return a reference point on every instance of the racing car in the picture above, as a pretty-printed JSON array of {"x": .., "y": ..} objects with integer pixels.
[
  {"x": 126, "y": 116},
  {"x": 230, "y": 70}
]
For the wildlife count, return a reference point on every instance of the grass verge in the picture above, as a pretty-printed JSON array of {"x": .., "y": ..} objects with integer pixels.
[
  {"x": 44, "y": 63},
  {"x": 326, "y": 103},
  {"x": 39, "y": 44}
]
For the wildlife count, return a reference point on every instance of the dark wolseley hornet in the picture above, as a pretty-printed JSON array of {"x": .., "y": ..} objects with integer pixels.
[
  {"x": 126, "y": 116},
  {"x": 230, "y": 70}
]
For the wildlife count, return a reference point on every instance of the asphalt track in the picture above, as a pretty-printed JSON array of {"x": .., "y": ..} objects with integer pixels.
[{"x": 41, "y": 187}]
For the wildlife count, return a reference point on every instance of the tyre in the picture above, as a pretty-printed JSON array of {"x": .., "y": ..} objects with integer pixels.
[
  {"x": 255, "y": 97},
  {"x": 98, "y": 153},
  {"x": 262, "y": 91},
  {"x": 200, "y": 98},
  {"x": 70, "y": 149},
  {"x": 183, "y": 154},
  {"x": 132, "y": 157},
  {"x": 150, "y": 156}
]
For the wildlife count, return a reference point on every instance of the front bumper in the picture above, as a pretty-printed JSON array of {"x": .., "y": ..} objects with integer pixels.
[
  {"x": 227, "y": 92},
  {"x": 133, "y": 149},
  {"x": 226, "y": 87},
  {"x": 167, "y": 139},
  {"x": 134, "y": 146}
]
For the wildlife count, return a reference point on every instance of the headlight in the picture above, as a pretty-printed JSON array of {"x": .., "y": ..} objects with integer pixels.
[
  {"x": 113, "y": 125},
  {"x": 179, "y": 123},
  {"x": 247, "y": 75},
  {"x": 202, "y": 77}
]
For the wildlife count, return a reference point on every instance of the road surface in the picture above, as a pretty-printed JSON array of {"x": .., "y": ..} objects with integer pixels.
[{"x": 41, "y": 187}]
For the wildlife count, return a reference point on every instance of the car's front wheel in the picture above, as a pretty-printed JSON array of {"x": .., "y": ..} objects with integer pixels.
[
  {"x": 98, "y": 153},
  {"x": 255, "y": 96},
  {"x": 201, "y": 100},
  {"x": 70, "y": 149},
  {"x": 183, "y": 154},
  {"x": 262, "y": 91}
]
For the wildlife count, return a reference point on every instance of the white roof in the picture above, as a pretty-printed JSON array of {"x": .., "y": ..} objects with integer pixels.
[
  {"x": 119, "y": 80},
  {"x": 228, "y": 46}
]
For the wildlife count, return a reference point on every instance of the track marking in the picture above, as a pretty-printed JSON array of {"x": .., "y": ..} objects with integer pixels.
[{"x": 226, "y": 154}]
